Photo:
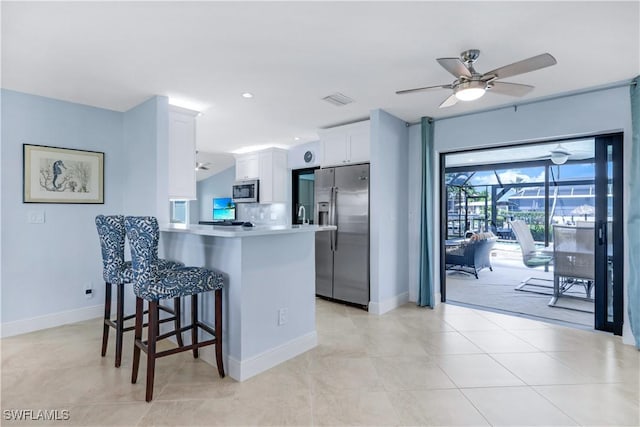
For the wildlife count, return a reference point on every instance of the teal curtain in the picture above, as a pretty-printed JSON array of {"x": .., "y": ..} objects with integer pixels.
[
  {"x": 633, "y": 226},
  {"x": 427, "y": 266}
]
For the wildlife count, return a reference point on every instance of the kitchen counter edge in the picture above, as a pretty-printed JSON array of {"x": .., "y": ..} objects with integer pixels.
[{"x": 240, "y": 231}]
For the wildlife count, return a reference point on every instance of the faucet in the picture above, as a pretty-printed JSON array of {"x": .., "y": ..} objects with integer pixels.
[{"x": 302, "y": 211}]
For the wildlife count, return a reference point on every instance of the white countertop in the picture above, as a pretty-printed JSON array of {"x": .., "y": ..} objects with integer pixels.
[{"x": 240, "y": 231}]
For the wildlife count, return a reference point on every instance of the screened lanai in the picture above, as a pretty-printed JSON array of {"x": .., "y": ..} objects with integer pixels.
[{"x": 544, "y": 185}]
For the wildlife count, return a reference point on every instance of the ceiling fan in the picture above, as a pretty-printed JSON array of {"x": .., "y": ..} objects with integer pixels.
[
  {"x": 470, "y": 85},
  {"x": 559, "y": 155},
  {"x": 201, "y": 166}
]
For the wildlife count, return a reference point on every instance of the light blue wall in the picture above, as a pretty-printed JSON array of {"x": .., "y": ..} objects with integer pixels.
[
  {"x": 388, "y": 207},
  {"x": 145, "y": 132},
  {"x": 45, "y": 266},
  {"x": 218, "y": 185}
]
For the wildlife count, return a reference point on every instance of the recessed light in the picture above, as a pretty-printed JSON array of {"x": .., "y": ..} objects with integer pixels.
[
  {"x": 297, "y": 138},
  {"x": 247, "y": 95}
]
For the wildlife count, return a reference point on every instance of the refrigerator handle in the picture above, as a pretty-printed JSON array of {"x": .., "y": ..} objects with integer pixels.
[
  {"x": 331, "y": 217},
  {"x": 335, "y": 217}
]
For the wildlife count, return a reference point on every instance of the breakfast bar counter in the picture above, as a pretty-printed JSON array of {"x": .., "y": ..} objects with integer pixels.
[{"x": 269, "y": 294}]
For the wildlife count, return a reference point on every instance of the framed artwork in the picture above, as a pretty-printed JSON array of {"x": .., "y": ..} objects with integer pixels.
[{"x": 62, "y": 175}]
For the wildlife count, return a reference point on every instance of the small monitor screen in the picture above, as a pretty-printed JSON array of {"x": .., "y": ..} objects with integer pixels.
[{"x": 224, "y": 208}]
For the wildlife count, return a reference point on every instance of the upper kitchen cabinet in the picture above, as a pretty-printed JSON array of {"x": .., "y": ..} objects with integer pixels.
[
  {"x": 247, "y": 166},
  {"x": 273, "y": 175},
  {"x": 270, "y": 167},
  {"x": 182, "y": 153},
  {"x": 345, "y": 144}
]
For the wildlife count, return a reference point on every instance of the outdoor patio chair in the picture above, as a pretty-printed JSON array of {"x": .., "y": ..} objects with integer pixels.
[
  {"x": 531, "y": 257},
  {"x": 574, "y": 261}
]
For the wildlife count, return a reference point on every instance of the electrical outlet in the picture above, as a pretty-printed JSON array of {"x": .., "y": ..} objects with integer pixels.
[
  {"x": 283, "y": 316},
  {"x": 88, "y": 290}
]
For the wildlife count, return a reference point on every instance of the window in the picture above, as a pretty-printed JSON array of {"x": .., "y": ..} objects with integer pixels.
[{"x": 179, "y": 212}]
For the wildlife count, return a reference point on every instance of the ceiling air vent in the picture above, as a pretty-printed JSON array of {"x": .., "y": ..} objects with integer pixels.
[{"x": 338, "y": 99}]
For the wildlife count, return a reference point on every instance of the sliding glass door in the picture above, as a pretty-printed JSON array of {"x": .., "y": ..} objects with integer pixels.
[{"x": 609, "y": 234}]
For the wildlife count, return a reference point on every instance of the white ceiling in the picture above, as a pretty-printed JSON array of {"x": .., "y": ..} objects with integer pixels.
[{"x": 289, "y": 55}]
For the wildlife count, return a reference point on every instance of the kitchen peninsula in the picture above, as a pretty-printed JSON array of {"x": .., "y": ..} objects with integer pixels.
[{"x": 269, "y": 294}]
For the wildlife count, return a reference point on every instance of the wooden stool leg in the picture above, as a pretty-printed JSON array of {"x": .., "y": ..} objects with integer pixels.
[
  {"x": 157, "y": 329},
  {"x": 151, "y": 347},
  {"x": 119, "y": 323},
  {"x": 218, "y": 329},
  {"x": 178, "y": 322},
  {"x": 107, "y": 317},
  {"x": 137, "y": 339},
  {"x": 194, "y": 323}
]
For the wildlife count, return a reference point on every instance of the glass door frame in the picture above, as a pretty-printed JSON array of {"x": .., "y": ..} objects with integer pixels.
[{"x": 604, "y": 242}]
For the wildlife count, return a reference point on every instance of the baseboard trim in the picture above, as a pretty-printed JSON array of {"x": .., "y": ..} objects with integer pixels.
[
  {"x": 18, "y": 327},
  {"x": 245, "y": 369},
  {"x": 389, "y": 304}
]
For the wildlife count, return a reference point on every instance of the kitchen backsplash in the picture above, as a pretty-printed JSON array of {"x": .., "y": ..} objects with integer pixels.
[{"x": 264, "y": 214}]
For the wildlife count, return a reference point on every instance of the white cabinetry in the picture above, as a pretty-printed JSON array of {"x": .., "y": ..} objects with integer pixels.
[
  {"x": 345, "y": 144},
  {"x": 182, "y": 154},
  {"x": 247, "y": 167},
  {"x": 270, "y": 167}
]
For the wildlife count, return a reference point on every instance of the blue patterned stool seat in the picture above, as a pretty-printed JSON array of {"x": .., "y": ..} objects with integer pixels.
[
  {"x": 153, "y": 284},
  {"x": 163, "y": 264},
  {"x": 117, "y": 272},
  {"x": 181, "y": 282}
]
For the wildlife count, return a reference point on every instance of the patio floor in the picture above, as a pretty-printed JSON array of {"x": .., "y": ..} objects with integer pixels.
[{"x": 496, "y": 289}]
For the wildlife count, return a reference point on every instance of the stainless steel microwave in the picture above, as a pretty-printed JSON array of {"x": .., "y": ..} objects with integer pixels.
[{"x": 246, "y": 191}]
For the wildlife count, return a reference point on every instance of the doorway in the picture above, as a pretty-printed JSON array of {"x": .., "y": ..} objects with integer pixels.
[
  {"x": 302, "y": 189},
  {"x": 555, "y": 188}
]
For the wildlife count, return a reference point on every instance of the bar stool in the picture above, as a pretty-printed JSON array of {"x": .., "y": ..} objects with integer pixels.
[
  {"x": 152, "y": 284},
  {"x": 118, "y": 272}
]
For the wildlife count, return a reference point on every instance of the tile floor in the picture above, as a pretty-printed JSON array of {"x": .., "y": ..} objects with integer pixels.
[{"x": 447, "y": 367}]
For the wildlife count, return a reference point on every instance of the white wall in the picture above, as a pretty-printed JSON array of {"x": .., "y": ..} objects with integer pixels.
[
  {"x": 46, "y": 266},
  {"x": 388, "y": 212},
  {"x": 589, "y": 113},
  {"x": 296, "y": 155}
]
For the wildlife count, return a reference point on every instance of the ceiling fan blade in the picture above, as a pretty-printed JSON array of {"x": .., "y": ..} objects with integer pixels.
[
  {"x": 581, "y": 155},
  {"x": 545, "y": 157},
  {"x": 455, "y": 67},
  {"x": 521, "y": 67},
  {"x": 450, "y": 101},
  {"x": 421, "y": 89},
  {"x": 512, "y": 89}
]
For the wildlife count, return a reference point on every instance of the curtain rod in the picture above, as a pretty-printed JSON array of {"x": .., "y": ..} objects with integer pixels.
[{"x": 632, "y": 82}]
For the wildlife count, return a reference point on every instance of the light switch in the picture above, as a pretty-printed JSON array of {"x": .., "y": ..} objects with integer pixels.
[{"x": 35, "y": 217}]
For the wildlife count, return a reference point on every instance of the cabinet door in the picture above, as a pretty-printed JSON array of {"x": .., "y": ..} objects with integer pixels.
[
  {"x": 247, "y": 167},
  {"x": 279, "y": 177},
  {"x": 182, "y": 156},
  {"x": 334, "y": 147},
  {"x": 266, "y": 178},
  {"x": 359, "y": 146}
]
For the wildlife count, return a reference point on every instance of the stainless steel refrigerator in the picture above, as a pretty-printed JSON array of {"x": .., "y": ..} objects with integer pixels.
[{"x": 342, "y": 256}]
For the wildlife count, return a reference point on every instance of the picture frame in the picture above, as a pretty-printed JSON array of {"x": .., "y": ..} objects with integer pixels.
[{"x": 62, "y": 175}]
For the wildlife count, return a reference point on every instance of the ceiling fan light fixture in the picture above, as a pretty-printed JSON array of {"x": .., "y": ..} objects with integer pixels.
[
  {"x": 559, "y": 157},
  {"x": 470, "y": 91}
]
